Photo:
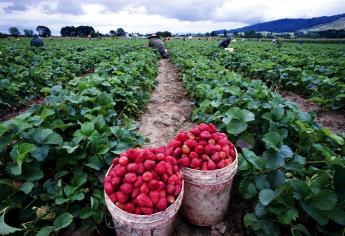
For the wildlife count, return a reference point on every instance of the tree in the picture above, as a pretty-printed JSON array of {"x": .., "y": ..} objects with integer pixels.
[
  {"x": 43, "y": 31},
  {"x": 28, "y": 33},
  {"x": 14, "y": 31},
  {"x": 250, "y": 34},
  {"x": 68, "y": 31},
  {"x": 225, "y": 34},
  {"x": 84, "y": 31},
  {"x": 112, "y": 32},
  {"x": 213, "y": 34},
  {"x": 120, "y": 32},
  {"x": 164, "y": 34},
  {"x": 235, "y": 34}
]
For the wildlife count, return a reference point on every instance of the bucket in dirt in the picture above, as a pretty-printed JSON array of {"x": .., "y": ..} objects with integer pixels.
[
  {"x": 158, "y": 224},
  {"x": 207, "y": 194}
]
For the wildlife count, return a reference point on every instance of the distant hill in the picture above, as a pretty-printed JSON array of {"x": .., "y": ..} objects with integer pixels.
[
  {"x": 287, "y": 25},
  {"x": 335, "y": 25}
]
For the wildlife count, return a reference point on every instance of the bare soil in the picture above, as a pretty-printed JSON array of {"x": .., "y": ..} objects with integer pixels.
[
  {"x": 333, "y": 120},
  {"x": 169, "y": 108}
]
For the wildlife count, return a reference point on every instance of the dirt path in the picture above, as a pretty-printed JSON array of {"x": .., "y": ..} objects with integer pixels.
[
  {"x": 169, "y": 109},
  {"x": 333, "y": 120}
]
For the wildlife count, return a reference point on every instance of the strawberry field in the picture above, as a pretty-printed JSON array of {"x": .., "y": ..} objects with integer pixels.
[{"x": 54, "y": 157}]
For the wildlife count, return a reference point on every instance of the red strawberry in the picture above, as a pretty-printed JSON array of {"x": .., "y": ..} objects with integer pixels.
[
  {"x": 190, "y": 135},
  {"x": 160, "y": 168},
  {"x": 182, "y": 136},
  {"x": 204, "y": 166},
  {"x": 149, "y": 164},
  {"x": 120, "y": 205},
  {"x": 108, "y": 188},
  {"x": 185, "y": 149},
  {"x": 232, "y": 153},
  {"x": 138, "y": 182},
  {"x": 161, "y": 185},
  {"x": 144, "y": 188},
  {"x": 173, "y": 179},
  {"x": 190, "y": 143},
  {"x": 107, "y": 179},
  {"x": 185, "y": 162},
  {"x": 154, "y": 195},
  {"x": 135, "y": 193},
  {"x": 211, "y": 141},
  {"x": 203, "y": 127},
  {"x": 196, "y": 162},
  {"x": 212, "y": 128},
  {"x": 138, "y": 211},
  {"x": 115, "y": 161},
  {"x": 205, "y": 157},
  {"x": 168, "y": 168},
  {"x": 222, "y": 155},
  {"x": 147, "y": 176},
  {"x": 210, "y": 149},
  {"x": 170, "y": 189},
  {"x": 154, "y": 184},
  {"x": 195, "y": 131},
  {"x": 121, "y": 197},
  {"x": 144, "y": 200},
  {"x": 205, "y": 135},
  {"x": 199, "y": 149},
  {"x": 211, "y": 165},
  {"x": 177, "y": 190},
  {"x": 120, "y": 171},
  {"x": 170, "y": 199},
  {"x": 221, "y": 164},
  {"x": 130, "y": 207},
  {"x": 162, "y": 204},
  {"x": 148, "y": 155},
  {"x": 123, "y": 161},
  {"x": 115, "y": 181},
  {"x": 165, "y": 178},
  {"x": 113, "y": 197},
  {"x": 177, "y": 152},
  {"x": 162, "y": 193},
  {"x": 216, "y": 157},
  {"x": 193, "y": 155},
  {"x": 215, "y": 136},
  {"x": 141, "y": 168},
  {"x": 147, "y": 210},
  {"x": 126, "y": 188},
  {"x": 160, "y": 157},
  {"x": 171, "y": 160},
  {"x": 130, "y": 178},
  {"x": 132, "y": 167}
]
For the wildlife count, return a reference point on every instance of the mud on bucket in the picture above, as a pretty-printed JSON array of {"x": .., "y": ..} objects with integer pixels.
[
  {"x": 207, "y": 194},
  {"x": 158, "y": 224}
]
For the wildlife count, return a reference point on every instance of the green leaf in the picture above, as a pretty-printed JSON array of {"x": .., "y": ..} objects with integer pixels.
[
  {"x": 40, "y": 153},
  {"x": 324, "y": 200},
  {"x": 296, "y": 230},
  {"x": 236, "y": 127},
  {"x": 266, "y": 196},
  {"x": 41, "y": 135},
  {"x": 54, "y": 138},
  {"x": 250, "y": 156},
  {"x": 261, "y": 182},
  {"x": 273, "y": 140},
  {"x": 251, "y": 220},
  {"x": 339, "y": 181},
  {"x": 339, "y": 140},
  {"x": 247, "y": 189},
  {"x": 27, "y": 187},
  {"x": 260, "y": 210},
  {"x": 321, "y": 217},
  {"x": 338, "y": 215},
  {"x": 79, "y": 179},
  {"x": 87, "y": 128},
  {"x": 19, "y": 153},
  {"x": 5, "y": 228},
  {"x": 85, "y": 213},
  {"x": 62, "y": 221},
  {"x": 290, "y": 215},
  {"x": 45, "y": 231},
  {"x": 278, "y": 113},
  {"x": 274, "y": 159}
]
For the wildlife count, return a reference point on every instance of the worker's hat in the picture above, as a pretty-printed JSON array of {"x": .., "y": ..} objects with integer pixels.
[{"x": 152, "y": 36}]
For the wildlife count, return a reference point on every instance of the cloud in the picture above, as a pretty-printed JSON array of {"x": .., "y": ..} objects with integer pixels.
[{"x": 152, "y": 15}]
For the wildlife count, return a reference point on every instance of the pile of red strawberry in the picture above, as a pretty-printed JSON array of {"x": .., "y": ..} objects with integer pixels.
[
  {"x": 143, "y": 181},
  {"x": 203, "y": 148}
]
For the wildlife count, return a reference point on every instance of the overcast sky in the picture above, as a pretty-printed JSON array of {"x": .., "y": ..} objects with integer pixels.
[{"x": 178, "y": 16}]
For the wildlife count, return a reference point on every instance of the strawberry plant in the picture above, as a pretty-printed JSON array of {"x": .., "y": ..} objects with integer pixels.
[{"x": 290, "y": 169}]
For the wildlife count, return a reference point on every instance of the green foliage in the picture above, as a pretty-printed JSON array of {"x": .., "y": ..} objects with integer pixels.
[
  {"x": 291, "y": 171},
  {"x": 55, "y": 155}
]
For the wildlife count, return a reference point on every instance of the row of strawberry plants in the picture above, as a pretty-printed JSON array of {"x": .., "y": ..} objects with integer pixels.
[
  {"x": 24, "y": 70},
  {"x": 316, "y": 71},
  {"x": 54, "y": 156},
  {"x": 291, "y": 171}
]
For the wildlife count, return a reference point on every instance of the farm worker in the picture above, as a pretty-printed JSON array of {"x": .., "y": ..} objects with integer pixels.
[
  {"x": 156, "y": 43},
  {"x": 36, "y": 41},
  {"x": 225, "y": 43}
]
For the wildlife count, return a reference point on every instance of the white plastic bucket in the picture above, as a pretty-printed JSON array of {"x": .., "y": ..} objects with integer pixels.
[
  {"x": 158, "y": 224},
  {"x": 207, "y": 194}
]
